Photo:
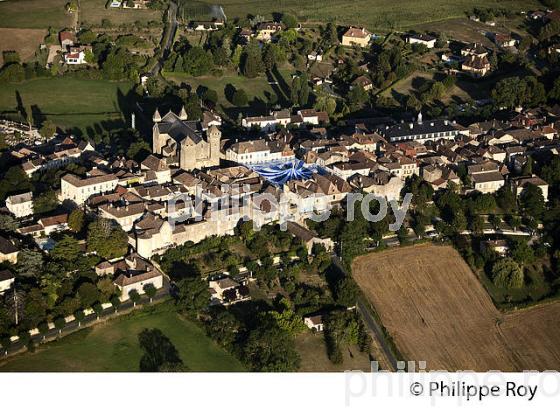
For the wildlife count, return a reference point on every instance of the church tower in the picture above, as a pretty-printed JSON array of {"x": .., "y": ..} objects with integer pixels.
[{"x": 214, "y": 138}]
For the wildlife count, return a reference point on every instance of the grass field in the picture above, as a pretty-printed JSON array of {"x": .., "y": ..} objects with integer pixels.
[
  {"x": 25, "y": 41},
  {"x": 436, "y": 310},
  {"x": 375, "y": 14},
  {"x": 313, "y": 352},
  {"x": 113, "y": 346},
  {"x": 68, "y": 102},
  {"x": 93, "y": 11},
  {"x": 256, "y": 88},
  {"x": 34, "y": 14}
]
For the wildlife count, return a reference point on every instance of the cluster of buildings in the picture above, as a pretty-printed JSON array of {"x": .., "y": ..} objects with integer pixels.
[
  {"x": 197, "y": 184},
  {"x": 73, "y": 53}
]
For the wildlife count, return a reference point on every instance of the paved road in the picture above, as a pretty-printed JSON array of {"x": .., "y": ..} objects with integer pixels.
[{"x": 168, "y": 37}]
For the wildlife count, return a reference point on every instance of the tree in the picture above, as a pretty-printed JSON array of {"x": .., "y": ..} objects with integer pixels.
[
  {"x": 67, "y": 249},
  {"x": 76, "y": 220},
  {"x": 270, "y": 349},
  {"x": 159, "y": 352},
  {"x": 98, "y": 309},
  {"x": 88, "y": 294},
  {"x": 251, "y": 61},
  {"x": 150, "y": 291},
  {"x": 79, "y": 315},
  {"x": 12, "y": 73},
  {"x": 495, "y": 221},
  {"x": 45, "y": 202},
  {"x": 289, "y": 21},
  {"x": 192, "y": 294},
  {"x": 346, "y": 292},
  {"x": 506, "y": 273},
  {"x": 532, "y": 201},
  {"x": 357, "y": 97},
  {"x": 240, "y": 98},
  {"x": 47, "y": 129},
  {"x": 286, "y": 318},
  {"x": 107, "y": 239},
  {"x": 30, "y": 263},
  {"x": 521, "y": 252},
  {"x": 506, "y": 199},
  {"x": 116, "y": 302},
  {"x": 134, "y": 296},
  {"x": 59, "y": 324}
]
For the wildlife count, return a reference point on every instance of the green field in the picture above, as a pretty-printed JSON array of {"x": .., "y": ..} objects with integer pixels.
[
  {"x": 256, "y": 88},
  {"x": 68, "y": 102},
  {"x": 375, "y": 14},
  {"x": 34, "y": 14},
  {"x": 113, "y": 346},
  {"x": 93, "y": 11}
]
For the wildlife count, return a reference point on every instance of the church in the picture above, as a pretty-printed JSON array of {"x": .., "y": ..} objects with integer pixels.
[{"x": 190, "y": 144}]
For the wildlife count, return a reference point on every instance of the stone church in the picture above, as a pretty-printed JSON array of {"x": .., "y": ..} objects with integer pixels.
[{"x": 190, "y": 144}]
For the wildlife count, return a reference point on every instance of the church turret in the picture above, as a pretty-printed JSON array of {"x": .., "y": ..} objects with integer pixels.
[
  {"x": 157, "y": 116},
  {"x": 419, "y": 121},
  {"x": 183, "y": 114}
]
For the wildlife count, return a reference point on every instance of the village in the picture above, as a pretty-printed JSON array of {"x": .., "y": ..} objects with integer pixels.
[{"x": 211, "y": 201}]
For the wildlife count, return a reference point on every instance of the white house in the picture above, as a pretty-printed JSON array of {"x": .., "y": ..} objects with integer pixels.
[
  {"x": 314, "y": 323},
  {"x": 7, "y": 279},
  {"x": 20, "y": 205},
  {"x": 78, "y": 189},
  {"x": 424, "y": 39}
]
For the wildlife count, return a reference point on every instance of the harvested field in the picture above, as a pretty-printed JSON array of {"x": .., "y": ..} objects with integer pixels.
[
  {"x": 436, "y": 310},
  {"x": 23, "y": 40}
]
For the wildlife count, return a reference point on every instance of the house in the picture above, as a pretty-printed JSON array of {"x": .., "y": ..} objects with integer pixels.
[
  {"x": 227, "y": 291},
  {"x": 259, "y": 152},
  {"x": 78, "y": 190},
  {"x": 474, "y": 49},
  {"x": 191, "y": 144},
  {"x": 380, "y": 183},
  {"x": 7, "y": 280},
  {"x": 133, "y": 273},
  {"x": 403, "y": 167},
  {"x": 500, "y": 246},
  {"x": 213, "y": 25},
  {"x": 20, "y": 205},
  {"x": 315, "y": 56},
  {"x": 356, "y": 36},
  {"x": 424, "y": 39},
  {"x": 503, "y": 40},
  {"x": 156, "y": 169},
  {"x": 76, "y": 55},
  {"x": 476, "y": 66},
  {"x": 487, "y": 182},
  {"x": 267, "y": 30},
  {"x": 520, "y": 183},
  {"x": 363, "y": 82},
  {"x": 308, "y": 237},
  {"x": 67, "y": 39},
  {"x": 439, "y": 176},
  {"x": 8, "y": 251},
  {"x": 420, "y": 131},
  {"x": 314, "y": 322}
]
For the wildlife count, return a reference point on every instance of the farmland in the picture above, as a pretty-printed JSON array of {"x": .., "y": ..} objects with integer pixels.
[
  {"x": 378, "y": 14},
  {"x": 25, "y": 41},
  {"x": 113, "y": 346},
  {"x": 436, "y": 310},
  {"x": 34, "y": 14}
]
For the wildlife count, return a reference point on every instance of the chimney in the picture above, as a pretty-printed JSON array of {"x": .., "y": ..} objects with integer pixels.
[{"x": 157, "y": 117}]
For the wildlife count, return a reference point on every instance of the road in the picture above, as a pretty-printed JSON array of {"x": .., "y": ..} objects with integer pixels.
[
  {"x": 168, "y": 37},
  {"x": 374, "y": 328}
]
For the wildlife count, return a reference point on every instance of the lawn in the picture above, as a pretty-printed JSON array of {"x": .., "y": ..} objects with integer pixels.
[
  {"x": 256, "y": 88},
  {"x": 93, "y": 11},
  {"x": 25, "y": 41},
  {"x": 68, "y": 102},
  {"x": 113, "y": 346},
  {"x": 375, "y": 14},
  {"x": 34, "y": 14}
]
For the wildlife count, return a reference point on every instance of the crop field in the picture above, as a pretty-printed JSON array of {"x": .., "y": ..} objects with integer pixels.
[
  {"x": 25, "y": 41},
  {"x": 437, "y": 311},
  {"x": 375, "y": 14},
  {"x": 34, "y": 14}
]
